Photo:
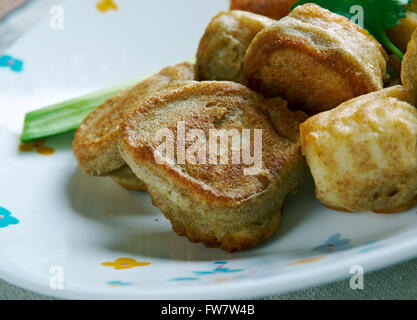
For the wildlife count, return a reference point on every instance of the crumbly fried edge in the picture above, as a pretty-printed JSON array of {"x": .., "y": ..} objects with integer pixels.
[{"x": 100, "y": 156}]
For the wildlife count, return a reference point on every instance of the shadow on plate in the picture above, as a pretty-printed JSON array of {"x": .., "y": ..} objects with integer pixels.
[
  {"x": 100, "y": 198},
  {"x": 133, "y": 226},
  {"x": 61, "y": 142}
]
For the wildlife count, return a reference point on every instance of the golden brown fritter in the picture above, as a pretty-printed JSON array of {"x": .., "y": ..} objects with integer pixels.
[
  {"x": 223, "y": 46},
  {"x": 275, "y": 9},
  {"x": 363, "y": 154},
  {"x": 217, "y": 203},
  {"x": 96, "y": 140},
  {"x": 400, "y": 35},
  {"x": 409, "y": 66},
  {"x": 314, "y": 59}
]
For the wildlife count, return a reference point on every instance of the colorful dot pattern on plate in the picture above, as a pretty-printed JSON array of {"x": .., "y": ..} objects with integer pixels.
[
  {"x": 105, "y": 5},
  {"x": 333, "y": 244},
  {"x": 6, "y": 218},
  {"x": 219, "y": 267},
  {"x": 117, "y": 284},
  {"x": 125, "y": 263},
  {"x": 370, "y": 246},
  {"x": 308, "y": 260},
  {"x": 13, "y": 64},
  {"x": 37, "y": 145}
]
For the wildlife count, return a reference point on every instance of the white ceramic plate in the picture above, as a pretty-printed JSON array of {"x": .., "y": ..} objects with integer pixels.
[{"x": 57, "y": 224}]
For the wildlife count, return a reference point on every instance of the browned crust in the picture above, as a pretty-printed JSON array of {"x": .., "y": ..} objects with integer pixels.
[
  {"x": 317, "y": 11},
  {"x": 230, "y": 243},
  {"x": 217, "y": 38},
  {"x": 398, "y": 209},
  {"x": 145, "y": 154},
  {"x": 96, "y": 149},
  {"x": 268, "y": 42},
  {"x": 409, "y": 66},
  {"x": 273, "y": 42},
  {"x": 89, "y": 152}
]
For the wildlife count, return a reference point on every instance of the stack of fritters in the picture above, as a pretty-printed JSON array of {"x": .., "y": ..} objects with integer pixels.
[
  {"x": 96, "y": 140},
  {"x": 315, "y": 59}
]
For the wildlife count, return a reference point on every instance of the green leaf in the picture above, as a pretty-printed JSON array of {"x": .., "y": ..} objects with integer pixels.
[{"x": 379, "y": 15}]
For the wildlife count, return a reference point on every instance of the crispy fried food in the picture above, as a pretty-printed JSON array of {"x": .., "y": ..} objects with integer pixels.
[
  {"x": 314, "y": 59},
  {"x": 96, "y": 140},
  {"x": 409, "y": 66},
  {"x": 400, "y": 35},
  {"x": 223, "y": 46},
  {"x": 211, "y": 202},
  {"x": 363, "y": 154},
  {"x": 275, "y": 9},
  {"x": 127, "y": 179}
]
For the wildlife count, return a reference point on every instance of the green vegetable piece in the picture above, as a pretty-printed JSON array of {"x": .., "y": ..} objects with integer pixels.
[{"x": 68, "y": 115}]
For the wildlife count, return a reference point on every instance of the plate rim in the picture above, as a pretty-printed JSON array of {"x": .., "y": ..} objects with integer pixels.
[{"x": 303, "y": 278}]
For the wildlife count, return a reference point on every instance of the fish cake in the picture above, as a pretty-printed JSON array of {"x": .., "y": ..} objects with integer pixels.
[
  {"x": 314, "y": 59},
  {"x": 96, "y": 140},
  {"x": 409, "y": 66},
  {"x": 363, "y": 154},
  {"x": 220, "y": 204},
  {"x": 223, "y": 46},
  {"x": 275, "y": 9}
]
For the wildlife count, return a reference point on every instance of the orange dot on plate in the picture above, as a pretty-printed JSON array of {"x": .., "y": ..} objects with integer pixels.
[
  {"x": 26, "y": 147},
  {"x": 46, "y": 151},
  {"x": 308, "y": 260}
]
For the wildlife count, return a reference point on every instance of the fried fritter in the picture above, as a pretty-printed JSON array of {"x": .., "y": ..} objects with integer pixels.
[
  {"x": 401, "y": 34},
  {"x": 219, "y": 203},
  {"x": 363, "y": 154},
  {"x": 275, "y": 9},
  {"x": 223, "y": 46},
  {"x": 315, "y": 59},
  {"x": 409, "y": 66},
  {"x": 96, "y": 140}
]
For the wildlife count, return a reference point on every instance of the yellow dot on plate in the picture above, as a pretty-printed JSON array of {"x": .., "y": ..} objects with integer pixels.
[
  {"x": 125, "y": 263},
  {"x": 46, "y": 151},
  {"x": 105, "y": 5},
  {"x": 308, "y": 260}
]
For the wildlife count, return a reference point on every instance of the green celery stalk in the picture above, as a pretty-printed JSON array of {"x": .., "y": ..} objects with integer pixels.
[{"x": 68, "y": 115}]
